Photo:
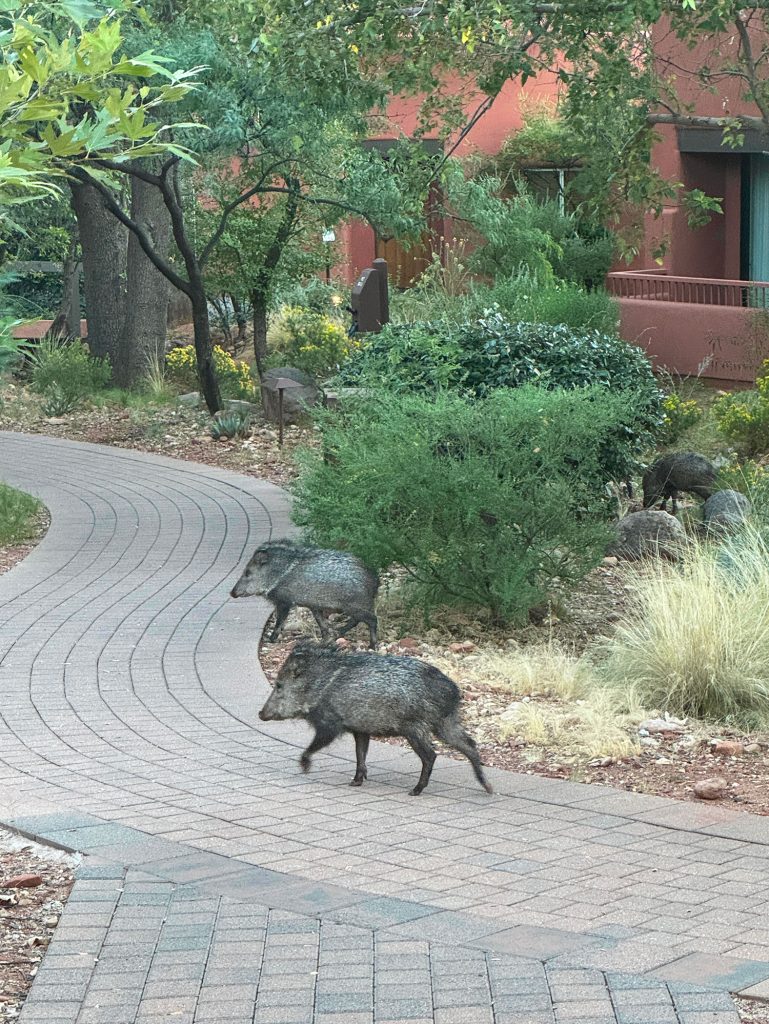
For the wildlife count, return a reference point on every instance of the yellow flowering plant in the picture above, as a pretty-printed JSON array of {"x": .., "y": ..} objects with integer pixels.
[{"x": 235, "y": 379}]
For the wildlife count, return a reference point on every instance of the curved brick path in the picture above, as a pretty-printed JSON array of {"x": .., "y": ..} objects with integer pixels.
[{"x": 221, "y": 884}]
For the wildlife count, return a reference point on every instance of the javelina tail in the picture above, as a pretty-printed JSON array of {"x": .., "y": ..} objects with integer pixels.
[{"x": 453, "y": 735}]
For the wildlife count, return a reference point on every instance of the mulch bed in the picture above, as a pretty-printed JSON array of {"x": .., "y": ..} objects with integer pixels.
[{"x": 28, "y": 915}]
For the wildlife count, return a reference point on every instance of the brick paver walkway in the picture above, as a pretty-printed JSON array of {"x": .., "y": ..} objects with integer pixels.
[{"x": 221, "y": 884}]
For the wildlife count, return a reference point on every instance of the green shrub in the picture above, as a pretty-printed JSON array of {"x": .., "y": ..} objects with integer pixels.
[
  {"x": 478, "y": 358},
  {"x": 314, "y": 294},
  {"x": 309, "y": 340},
  {"x": 234, "y": 376},
  {"x": 679, "y": 415},
  {"x": 552, "y": 302},
  {"x": 66, "y": 368},
  {"x": 486, "y": 503},
  {"x": 743, "y": 417},
  {"x": 696, "y": 640},
  {"x": 17, "y": 515},
  {"x": 57, "y": 402}
]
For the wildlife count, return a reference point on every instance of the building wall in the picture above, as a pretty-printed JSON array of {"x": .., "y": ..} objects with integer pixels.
[{"x": 356, "y": 247}]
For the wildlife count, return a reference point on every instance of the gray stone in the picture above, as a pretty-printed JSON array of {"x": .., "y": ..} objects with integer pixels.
[
  {"x": 725, "y": 511},
  {"x": 192, "y": 398},
  {"x": 296, "y": 401},
  {"x": 648, "y": 534}
]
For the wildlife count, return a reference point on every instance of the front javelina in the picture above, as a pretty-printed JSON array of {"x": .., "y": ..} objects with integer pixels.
[
  {"x": 371, "y": 695},
  {"x": 679, "y": 471},
  {"x": 321, "y": 580}
]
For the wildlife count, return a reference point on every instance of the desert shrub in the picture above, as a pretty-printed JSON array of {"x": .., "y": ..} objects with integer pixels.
[
  {"x": 485, "y": 503},
  {"x": 743, "y": 417},
  {"x": 696, "y": 641},
  {"x": 235, "y": 380},
  {"x": 314, "y": 293},
  {"x": 309, "y": 340},
  {"x": 679, "y": 415},
  {"x": 65, "y": 373},
  {"x": 480, "y": 357},
  {"x": 17, "y": 515}
]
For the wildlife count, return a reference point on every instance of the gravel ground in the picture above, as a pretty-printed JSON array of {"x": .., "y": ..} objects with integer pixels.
[{"x": 28, "y": 913}]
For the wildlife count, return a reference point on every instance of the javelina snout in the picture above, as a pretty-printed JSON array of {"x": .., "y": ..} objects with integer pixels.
[
  {"x": 322, "y": 580},
  {"x": 369, "y": 695}
]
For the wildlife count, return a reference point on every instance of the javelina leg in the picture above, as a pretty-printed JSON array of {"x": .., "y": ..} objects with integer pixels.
[
  {"x": 423, "y": 748},
  {"x": 361, "y": 750},
  {"x": 281, "y": 614},
  {"x": 453, "y": 735},
  {"x": 371, "y": 622},
  {"x": 321, "y": 623},
  {"x": 323, "y": 737}
]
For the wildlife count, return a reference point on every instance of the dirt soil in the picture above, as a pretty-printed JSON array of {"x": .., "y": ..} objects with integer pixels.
[
  {"x": 669, "y": 766},
  {"x": 28, "y": 916}
]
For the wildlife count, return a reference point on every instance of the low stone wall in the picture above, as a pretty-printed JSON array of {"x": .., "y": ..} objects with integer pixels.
[{"x": 724, "y": 344}]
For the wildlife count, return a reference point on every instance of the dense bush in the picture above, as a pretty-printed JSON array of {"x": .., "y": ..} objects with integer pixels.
[
  {"x": 478, "y": 358},
  {"x": 523, "y": 297},
  {"x": 235, "y": 380},
  {"x": 743, "y": 417},
  {"x": 486, "y": 503},
  {"x": 65, "y": 369},
  {"x": 309, "y": 340}
]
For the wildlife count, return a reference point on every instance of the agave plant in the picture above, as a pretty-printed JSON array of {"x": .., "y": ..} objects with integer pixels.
[
  {"x": 234, "y": 423},
  {"x": 57, "y": 401}
]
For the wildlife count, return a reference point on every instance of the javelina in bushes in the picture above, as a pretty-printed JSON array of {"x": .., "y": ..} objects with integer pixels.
[
  {"x": 679, "y": 471},
  {"x": 323, "y": 581},
  {"x": 370, "y": 695}
]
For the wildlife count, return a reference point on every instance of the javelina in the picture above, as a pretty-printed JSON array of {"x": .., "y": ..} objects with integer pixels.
[
  {"x": 370, "y": 695},
  {"x": 679, "y": 471},
  {"x": 314, "y": 578},
  {"x": 725, "y": 510}
]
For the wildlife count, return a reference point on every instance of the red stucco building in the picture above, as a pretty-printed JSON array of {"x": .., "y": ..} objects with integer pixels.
[{"x": 693, "y": 312}]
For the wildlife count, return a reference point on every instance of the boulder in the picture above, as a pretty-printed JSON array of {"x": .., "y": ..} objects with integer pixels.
[
  {"x": 725, "y": 511},
  {"x": 238, "y": 405},
  {"x": 295, "y": 400},
  {"x": 646, "y": 534},
  {"x": 192, "y": 398},
  {"x": 710, "y": 789}
]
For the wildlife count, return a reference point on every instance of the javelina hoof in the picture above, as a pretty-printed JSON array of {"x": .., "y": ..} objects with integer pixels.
[
  {"x": 416, "y": 790},
  {"x": 358, "y": 781},
  {"x": 304, "y": 763},
  {"x": 488, "y": 787}
]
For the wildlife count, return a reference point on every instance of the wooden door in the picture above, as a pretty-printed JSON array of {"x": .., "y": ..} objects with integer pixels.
[{"x": 404, "y": 266}]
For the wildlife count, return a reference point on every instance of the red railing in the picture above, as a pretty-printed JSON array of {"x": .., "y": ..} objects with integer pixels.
[{"x": 706, "y": 291}]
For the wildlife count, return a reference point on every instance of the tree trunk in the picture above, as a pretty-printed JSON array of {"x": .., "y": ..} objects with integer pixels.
[
  {"x": 104, "y": 242},
  {"x": 240, "y": 320},
  {"x": 209, "y": 386},
  {"x": 66, "y": 323},
  {"x": 259, "y": 304},
  {"x": 142, "y": 340}
]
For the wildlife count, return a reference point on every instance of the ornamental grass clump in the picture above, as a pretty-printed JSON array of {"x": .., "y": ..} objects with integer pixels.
[{"x": 696, "y": 640}]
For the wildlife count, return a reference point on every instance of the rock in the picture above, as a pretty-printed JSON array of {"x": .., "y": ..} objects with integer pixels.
[
  {"x": 192, "y": 398},
  {"x": 333, "y": 399},
  {"x": 51, "y": 922},
  {"x": 295, "y": 400},
  {"x": 7, "y": 899},
  {"x": 663, "y": 760},
  {"x": 752, "y": 748},
  {"x": 710, "y": 789},
  {"x": 649, "y": 741},
  {"x": 647, "y": 534},
  {"x": 729, "y": 748},
  {"x": 611, "y": 560},
  {"x": 23, "y": 882},
  {"x": 56, "y": 420},
  {"x": 662, "y": 726},
  {"x": 408, "y": 643},
  {"x": 725, "y": 511},
  {"x": 464, "y": 647},
  {"x": 237, "y": 405}
]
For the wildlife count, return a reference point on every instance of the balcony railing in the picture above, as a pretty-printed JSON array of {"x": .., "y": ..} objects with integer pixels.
[{"x": 706, "y": 291}]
